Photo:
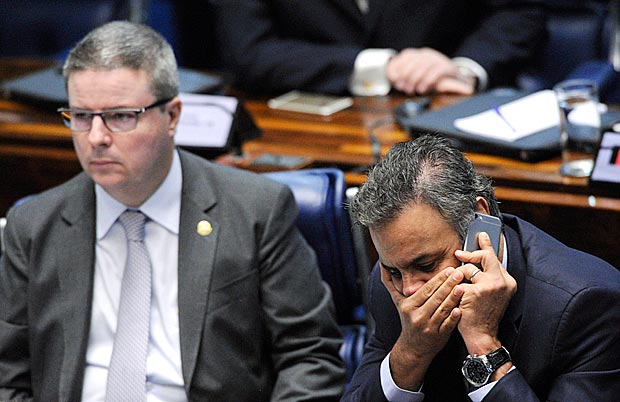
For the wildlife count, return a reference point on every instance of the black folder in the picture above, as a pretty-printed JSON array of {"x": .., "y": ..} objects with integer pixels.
[
  {"x": 46, "y": 88},
  {"x": 534, "y": 147}
]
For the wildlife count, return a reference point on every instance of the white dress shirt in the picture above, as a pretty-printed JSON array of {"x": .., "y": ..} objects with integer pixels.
[
  {"x": 164, "y": 376},
  {"x": 394, "y": 393}
]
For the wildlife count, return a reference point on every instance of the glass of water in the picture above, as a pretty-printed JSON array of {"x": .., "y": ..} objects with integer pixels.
[{"x": 580, "y": 125}]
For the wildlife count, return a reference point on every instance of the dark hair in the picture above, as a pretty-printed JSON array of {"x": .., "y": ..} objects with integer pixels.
[
  {"x": 120, "y": 44},
  {"x": 427, "y": 170}
]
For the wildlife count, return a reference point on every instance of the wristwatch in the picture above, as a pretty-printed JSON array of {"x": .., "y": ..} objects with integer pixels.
[{"x": 478, "y": 369}]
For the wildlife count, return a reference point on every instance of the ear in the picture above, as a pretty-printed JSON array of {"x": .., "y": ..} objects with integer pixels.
[
  {"x": 173, "y": 109},
  {"x": 482, "y": 206}
]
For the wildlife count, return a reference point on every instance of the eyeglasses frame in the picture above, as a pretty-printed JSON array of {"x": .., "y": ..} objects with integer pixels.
[{"x": 65, "y": 113}]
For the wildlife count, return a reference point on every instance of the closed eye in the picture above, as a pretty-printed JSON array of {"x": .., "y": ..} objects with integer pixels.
[
  {"x": 426, "y": 267},
  {"x": 395, "y": 273}
]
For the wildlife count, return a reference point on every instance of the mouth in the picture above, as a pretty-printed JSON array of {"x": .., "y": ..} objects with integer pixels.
[{"x": 102, "y": 163}]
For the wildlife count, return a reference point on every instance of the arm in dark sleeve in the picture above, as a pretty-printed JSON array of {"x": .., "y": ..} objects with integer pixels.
[
  {"x": 366, "y": 382},
  {"x": 506, "y": 38},
  {"x": 299, "y": 312},
  {"x": 258, "y": 47},
  {"x": 586, "y": 355},
  {"x": 15, "y": 383}
]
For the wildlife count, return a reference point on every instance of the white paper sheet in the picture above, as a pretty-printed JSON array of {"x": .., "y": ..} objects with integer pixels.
[
  {"x": 205, "y": 120},
  {"x": 513, "y": 120}
]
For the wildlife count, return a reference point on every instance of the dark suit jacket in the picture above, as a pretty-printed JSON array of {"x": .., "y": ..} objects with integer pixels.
[
  {"x": 562, "y": 328},
  {"x": 256, "y": 322},
  {"x": 278, "y": 45}
]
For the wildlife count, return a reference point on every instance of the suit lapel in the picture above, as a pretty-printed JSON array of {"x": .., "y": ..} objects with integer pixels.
[
  {"x": 375, "y": 10},
  {"x": 509, "y": 326},
  {"x": 350, "y": 8},
  {"x": 196, "y": 260},
  {"x": 75, "y": 264}
]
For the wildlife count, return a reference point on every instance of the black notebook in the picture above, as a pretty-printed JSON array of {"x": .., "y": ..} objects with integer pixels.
[{"x": 536, "y": 146}]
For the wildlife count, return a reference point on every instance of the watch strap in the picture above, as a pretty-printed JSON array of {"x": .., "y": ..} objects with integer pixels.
[{"x": 498, "y": 358}]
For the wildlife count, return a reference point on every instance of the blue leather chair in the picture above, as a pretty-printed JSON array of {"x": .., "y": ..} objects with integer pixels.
[
  {"x": 44, "y": 28},
  {"x": 324, "y": 222},
  {"x": 50, "y": 28},
  {"x": 576, "y": 47}
]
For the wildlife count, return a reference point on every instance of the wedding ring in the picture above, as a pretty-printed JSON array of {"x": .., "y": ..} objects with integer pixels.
[{"x": 476, "y": 272}]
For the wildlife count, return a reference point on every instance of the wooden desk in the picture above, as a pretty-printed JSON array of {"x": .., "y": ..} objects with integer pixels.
[{"x": 36, "y": 153}]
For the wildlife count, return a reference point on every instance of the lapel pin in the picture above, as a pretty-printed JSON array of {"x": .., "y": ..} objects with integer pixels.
[{"x": 204, "y": 228}]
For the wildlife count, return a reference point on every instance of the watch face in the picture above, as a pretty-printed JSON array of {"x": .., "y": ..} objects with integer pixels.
[{"x": 476, "y": 372}]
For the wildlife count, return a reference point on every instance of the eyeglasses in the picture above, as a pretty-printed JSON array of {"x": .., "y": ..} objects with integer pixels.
[{"x": 116, "y": 120}]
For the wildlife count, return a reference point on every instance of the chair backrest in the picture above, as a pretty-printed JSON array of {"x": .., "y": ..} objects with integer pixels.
[
  {"x": 575, "y": 35},
  {"x": 45, "y": 28},
  {"x": 2, "y": 225},
  {"x": 325, "y": 224}
]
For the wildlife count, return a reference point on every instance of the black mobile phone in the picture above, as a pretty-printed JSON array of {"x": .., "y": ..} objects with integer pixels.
[{"x": 492, "y": 225}]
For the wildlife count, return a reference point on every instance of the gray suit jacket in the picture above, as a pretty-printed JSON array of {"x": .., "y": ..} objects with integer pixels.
[{"x": 256, "y": 322}]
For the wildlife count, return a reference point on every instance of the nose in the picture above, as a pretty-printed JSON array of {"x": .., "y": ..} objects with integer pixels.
[
  {"x": 99, "y": 133},
  {"x": 413, "y": 281}
]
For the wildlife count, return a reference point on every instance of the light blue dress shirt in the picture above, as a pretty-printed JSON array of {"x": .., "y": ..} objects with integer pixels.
[{"x": 163, "y": 208}]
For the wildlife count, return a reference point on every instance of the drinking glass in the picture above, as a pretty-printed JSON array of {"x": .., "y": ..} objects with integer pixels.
[{"x": 580, "y": 125}]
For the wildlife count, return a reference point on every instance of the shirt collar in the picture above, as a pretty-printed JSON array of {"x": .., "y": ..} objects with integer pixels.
[{"x": 163, "y": 207}]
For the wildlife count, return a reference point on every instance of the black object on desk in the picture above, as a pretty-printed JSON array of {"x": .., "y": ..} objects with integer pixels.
[
  {"x": 537, "y": 146},
  {"x": 46, "y": 88}
]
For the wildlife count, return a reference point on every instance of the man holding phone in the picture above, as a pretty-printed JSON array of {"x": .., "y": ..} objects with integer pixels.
[{"x": 536, "y": 321}]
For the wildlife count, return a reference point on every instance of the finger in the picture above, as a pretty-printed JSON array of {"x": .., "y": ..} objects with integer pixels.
[
  {"x": 423, "y": 66},
  {"x": 408, "y": 74},
  {"x": 475, "y": 257},
  {"x": 451, "y": 301},
  {"x": 429, "y": 82},
  {"x": 474, "y": 273},
  {"x": 448, "y": 325},
  {"x": 441, "y": 69},
  {"x": 398, "y": 64},
  {"x": 454, "y": 86},
  {"x": 432, "y": 302},
  {"x": 484, "y": 241}
]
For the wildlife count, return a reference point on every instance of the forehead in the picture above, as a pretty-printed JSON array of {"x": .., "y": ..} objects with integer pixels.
[
  {"x": 99, "y": 89},
  {"x": 418, "y": 231}
]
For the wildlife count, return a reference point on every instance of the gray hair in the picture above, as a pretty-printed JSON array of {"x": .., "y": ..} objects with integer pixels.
[
  {"x": 427, "y": 170},
  {"x": 123, "y": 44}
]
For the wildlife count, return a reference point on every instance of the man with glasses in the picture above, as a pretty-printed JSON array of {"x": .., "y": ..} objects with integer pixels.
[{"x": 154, "y": 274}]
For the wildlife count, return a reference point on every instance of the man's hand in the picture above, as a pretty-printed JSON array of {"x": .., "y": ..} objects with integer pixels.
[
  {"x": 428, "y": 317},
  {"x": 424, "y": 70},
  {"x": 485, "y": 300}
]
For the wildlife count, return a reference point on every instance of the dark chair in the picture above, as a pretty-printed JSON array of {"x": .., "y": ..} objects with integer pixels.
[
  {"x": 2, "y": 225},
  {"x": 325, "y": 224},
  {"x": 576, "y": 47},
  {"x": 49, "y": 29},
  {"x": 43, "y": 28}
]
